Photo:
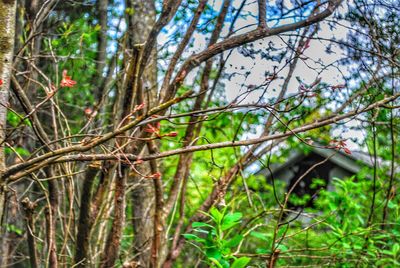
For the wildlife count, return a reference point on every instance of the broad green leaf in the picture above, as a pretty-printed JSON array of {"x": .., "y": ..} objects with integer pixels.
[
  {"x": 396, "y": 248},
  {"x": 391, "y": 204},
  {"x": 194, "y": 237},
  {"x": 213, "y": 253},
  {"x": 201, "y": 224},
  {"x": 282, "y": 247},
  {"x": 241, "y": 262},
  {"x": 231, "y": 220},
  {"x": 235, "y": 241},
  {"x": 262, "y": 251},
  {"x": 260, "y": 235},
  {"x": 216, "y": 215},
  {"x": 224, "y": 263},
  {"x": 216, "y": 262}
]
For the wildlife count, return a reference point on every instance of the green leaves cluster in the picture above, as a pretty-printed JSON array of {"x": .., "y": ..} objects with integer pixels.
[{"x": 217, "y": 239}]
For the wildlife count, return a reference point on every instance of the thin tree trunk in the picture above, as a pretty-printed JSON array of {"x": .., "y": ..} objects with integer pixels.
[
  {"x": 101, "y": 55},
  {"x": 143, "y": 196},
  {"x": 51, "y": 218},
  {"x": 7, "y": 34},
  {"x": 110, "y": 253},
  {"x": 82, "y": 258},
  {"x": 29, "y": 208}
]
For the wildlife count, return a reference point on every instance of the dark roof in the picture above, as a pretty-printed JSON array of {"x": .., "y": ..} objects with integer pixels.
[{"x": 351, "y": 162}]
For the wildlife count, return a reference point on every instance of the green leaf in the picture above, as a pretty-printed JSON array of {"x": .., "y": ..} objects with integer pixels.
[
  {"x": 224, "y": 263},
  {"x": 97, "y": 28},
  {"x": 234, "y": 242},
  {"x": 194, "y": 237},
  {"x": 391, "y": 204},
  {"x": 216, "y": 215},
  {"x": 22, "y": 151},
  {"x": 262, "y": 251},
  {"x": 14, "y": 119},
  {"x": 241, "y": 262},
  {"x": 201, "y": 224},
  {"x": 19, "y": 150},
  {"x": 396, "y": 248},
  {"x": 213, "y": 253},
  {"x": 282, "y": 247},
  {"x": 216, "y": 262},
  {"x": 199, "y": 230},
  {"x": 387, "y": 252},
  {"x": 14, "y": 229},
  {"x": 231, "y": 220},
  {"x": 259, "y": 235}
]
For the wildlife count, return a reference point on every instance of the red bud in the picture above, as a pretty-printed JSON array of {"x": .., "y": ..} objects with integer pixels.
[
  {"x": 151, "y": 129},
  {"x": 172, "y": 134},
  {"x": 156, "y": 175},
  {"x": 346, "y": 150},
  {"x": 138, "y": 107}
]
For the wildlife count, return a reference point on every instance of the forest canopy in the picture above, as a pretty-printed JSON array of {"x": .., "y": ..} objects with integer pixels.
[{"x": 181, "y": 133}]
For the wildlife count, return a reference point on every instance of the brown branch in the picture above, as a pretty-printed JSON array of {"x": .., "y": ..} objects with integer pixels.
[
  {"x": 29, "y": 208},
  {"x": 159, "y": 207},
  {"x": 85, "y": 218},
  {"x": 110, "y": 253},
  {"x": 101, "y": 54},
  {"x": 169, "y": 10},
  {"x": 30, "y": 111},
  {"x": 262, "y": 14},
  {"x": 274, "y": 258},
  {"x": 51, "y": 220},
  {"x": 304, "y": 128},
  {"x": 49, "y": 157},
  {"x": 182, "y": 45}
]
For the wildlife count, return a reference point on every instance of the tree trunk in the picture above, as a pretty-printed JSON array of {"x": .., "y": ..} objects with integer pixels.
[
  {"x": 7, "y": 33},
  {"x": 143, "y": 195}
]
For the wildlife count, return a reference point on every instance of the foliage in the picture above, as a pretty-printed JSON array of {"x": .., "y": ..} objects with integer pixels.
[
  {"x": 218, "y": 239},
  {"x": 336, "y": 232}
]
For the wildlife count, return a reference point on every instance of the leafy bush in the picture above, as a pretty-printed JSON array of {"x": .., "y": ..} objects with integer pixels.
[
  {"x": 218, "y": 240},
  {"x": 335, "y": 232}
]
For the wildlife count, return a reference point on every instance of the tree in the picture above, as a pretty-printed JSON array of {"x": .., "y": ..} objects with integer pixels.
[
  {"x": 119, "y": 145},
  {"x": 7, "y": 21}
]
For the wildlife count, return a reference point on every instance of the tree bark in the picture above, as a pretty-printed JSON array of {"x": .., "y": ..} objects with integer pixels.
[
  {"x": 111, "y": 250},
  {"x": 143, "y": 202},
  {"x": 82, "y": 258},
  {"x": 7, "y": 34},
  {"x": 29, "y": 208},
  {"x": 101, "y": 55}
]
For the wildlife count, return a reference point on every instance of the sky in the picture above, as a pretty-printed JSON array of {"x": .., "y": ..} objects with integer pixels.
[{"x": 313, "y": 66}]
